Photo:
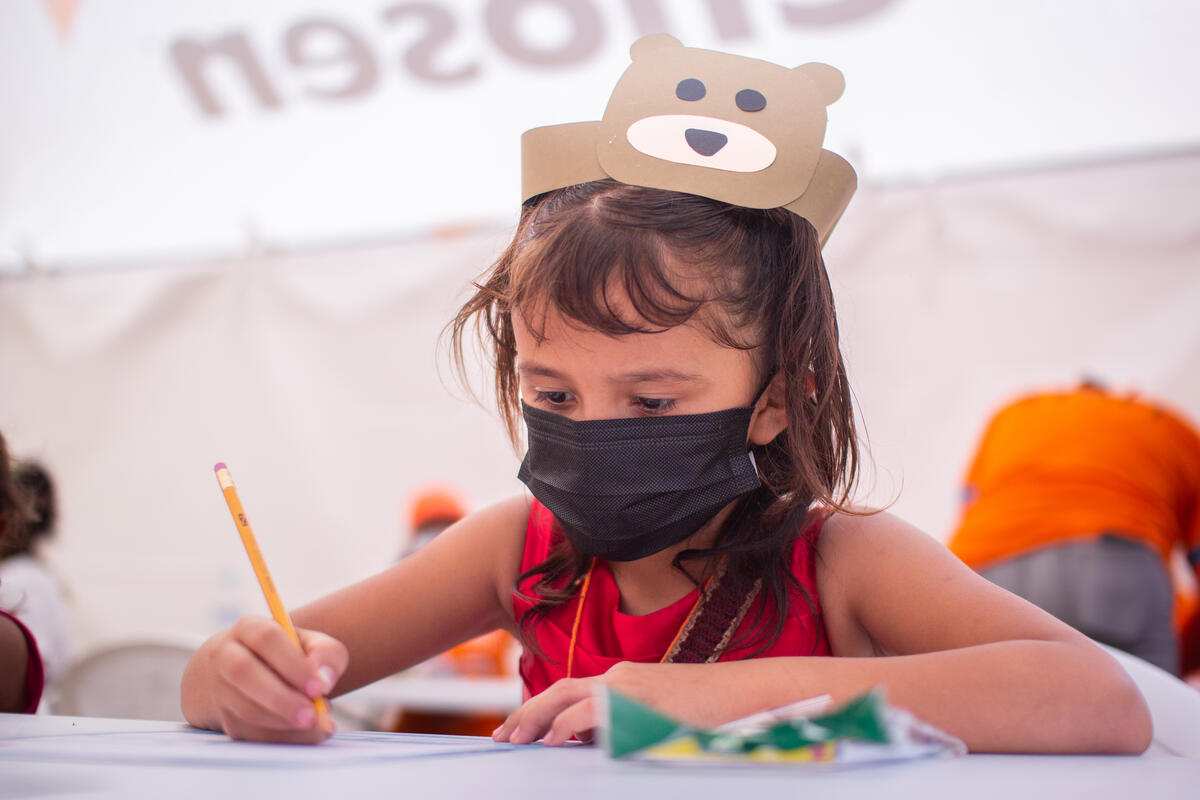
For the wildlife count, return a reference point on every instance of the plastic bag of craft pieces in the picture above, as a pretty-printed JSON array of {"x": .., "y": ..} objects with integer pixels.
[{"x": 861, "y": 731}]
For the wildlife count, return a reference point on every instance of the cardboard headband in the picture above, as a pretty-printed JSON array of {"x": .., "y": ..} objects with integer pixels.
[{"x": 739, "y": 130}]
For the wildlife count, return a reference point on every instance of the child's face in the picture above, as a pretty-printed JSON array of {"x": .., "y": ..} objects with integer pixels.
[{"x": 588, "y": 375}]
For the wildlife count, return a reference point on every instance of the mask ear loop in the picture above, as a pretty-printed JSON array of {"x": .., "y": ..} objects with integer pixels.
[
  {"x": 754, "y": 405},
  {"x": 765, "y": 385}
]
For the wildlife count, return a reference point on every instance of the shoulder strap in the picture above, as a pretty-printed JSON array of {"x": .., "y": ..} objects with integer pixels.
[
  {"x": 727, "y": 598},
  {"x": 710, "y": 627}
]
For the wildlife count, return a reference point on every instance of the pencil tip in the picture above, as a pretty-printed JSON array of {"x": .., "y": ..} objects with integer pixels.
[{"x": 220, "y": 466}]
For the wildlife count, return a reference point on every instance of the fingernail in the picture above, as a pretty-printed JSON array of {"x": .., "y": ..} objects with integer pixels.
[
  {"x": 515, "y": 736},
  {"x": 496, "y": 732},
  {"x": 313, "y": 688},
  {"x": 327, "y": 676},
  {"x": 305, "y": 717}
]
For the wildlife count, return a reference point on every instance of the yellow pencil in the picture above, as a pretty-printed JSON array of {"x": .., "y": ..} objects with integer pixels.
[{"x": 260, "y": 567}]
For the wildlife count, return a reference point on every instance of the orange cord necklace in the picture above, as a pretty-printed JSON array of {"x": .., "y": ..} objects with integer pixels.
[{"x": 587, "y": 582}]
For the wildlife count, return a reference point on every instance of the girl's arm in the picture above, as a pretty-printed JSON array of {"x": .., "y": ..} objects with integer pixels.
[
  {"x": 253, "y": 683},
  {"x": 454, "y": 588},
  {"x": 902, "y": 612},
  {"x": 964, "y": 654}
]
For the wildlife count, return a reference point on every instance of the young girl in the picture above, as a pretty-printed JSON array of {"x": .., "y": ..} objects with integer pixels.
[{"x": 689, "y": 541}]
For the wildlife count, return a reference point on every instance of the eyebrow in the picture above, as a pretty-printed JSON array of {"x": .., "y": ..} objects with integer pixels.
[{"x": 653, "y": 375}]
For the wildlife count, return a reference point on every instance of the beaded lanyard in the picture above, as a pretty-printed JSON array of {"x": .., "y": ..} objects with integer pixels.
[{"x": 704, "y": 636}]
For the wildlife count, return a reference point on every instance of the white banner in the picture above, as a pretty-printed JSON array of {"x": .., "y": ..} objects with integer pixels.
[{"x": 134, "y": 129}]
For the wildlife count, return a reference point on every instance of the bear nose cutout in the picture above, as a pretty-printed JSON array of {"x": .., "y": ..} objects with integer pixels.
[{"x": 705, "y": 142}]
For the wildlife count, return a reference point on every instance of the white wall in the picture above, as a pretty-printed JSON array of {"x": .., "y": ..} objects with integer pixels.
[
  {"x": 956, "y": 296},
  {"x": 316, "y": 377}
]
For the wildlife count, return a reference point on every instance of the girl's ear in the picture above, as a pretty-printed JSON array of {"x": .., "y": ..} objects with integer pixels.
[{"x": 770, "y": 416}]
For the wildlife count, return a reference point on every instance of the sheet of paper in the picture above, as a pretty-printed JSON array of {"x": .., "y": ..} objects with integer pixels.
[{"x": 193, "y": 747}]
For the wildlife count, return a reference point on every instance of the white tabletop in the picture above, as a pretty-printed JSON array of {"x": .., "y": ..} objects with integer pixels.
[
  {"x": 474, "y": 768},
  {"x": 416, "y": 692}
]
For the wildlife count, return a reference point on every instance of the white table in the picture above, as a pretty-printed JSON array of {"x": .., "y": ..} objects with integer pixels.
[
  {"x": 535, "y": 772},
  {"x": 440, "y": 693}
]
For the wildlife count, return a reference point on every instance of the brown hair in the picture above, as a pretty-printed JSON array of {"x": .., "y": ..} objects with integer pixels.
[
  {"x": 14, "y": 508},
  {"x": 753, "y": 278},
  {"x": 36, "y": 488}
]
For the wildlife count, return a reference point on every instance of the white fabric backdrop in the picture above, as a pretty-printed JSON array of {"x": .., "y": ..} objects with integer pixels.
[
  {"x": 106, "y": 155},
  {"x": 316, "y": 377}
]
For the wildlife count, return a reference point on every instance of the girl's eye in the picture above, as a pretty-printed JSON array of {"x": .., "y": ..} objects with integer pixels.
[
  {"x": 654, "y": 405},
  {"x": 552, "y": 398}
]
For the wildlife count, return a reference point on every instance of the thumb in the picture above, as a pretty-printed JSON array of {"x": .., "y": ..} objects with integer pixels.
[{"x": 327, "y": 657}]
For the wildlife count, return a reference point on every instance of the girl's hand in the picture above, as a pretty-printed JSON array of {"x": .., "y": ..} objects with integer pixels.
[
  {"x": 253, "y": 683},
  {"x": 566, "y": 709},
  {"x": 569, "y": 707}
]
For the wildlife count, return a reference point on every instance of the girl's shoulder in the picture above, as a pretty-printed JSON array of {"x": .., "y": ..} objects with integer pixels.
[
  {"x": 865, "y": 522},
  {"x": 868, "y": 560},
  {"x": 857, "y": 544},
  {"x": 503, "y": 523},
  {"x": 485, "y": 545}
]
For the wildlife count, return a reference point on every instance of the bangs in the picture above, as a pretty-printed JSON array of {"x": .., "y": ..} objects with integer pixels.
[{"x": 603, "y": 268}]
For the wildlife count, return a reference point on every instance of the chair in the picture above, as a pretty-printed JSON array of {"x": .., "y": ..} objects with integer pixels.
[
  {"x": 134, "y": 680},
  {"x": 1174, "y": 705}
]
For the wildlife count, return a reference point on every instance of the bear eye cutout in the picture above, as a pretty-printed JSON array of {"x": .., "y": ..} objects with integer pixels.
[
  {"x": 691, "y": 89},
  {"x": 750, "y": 100}
]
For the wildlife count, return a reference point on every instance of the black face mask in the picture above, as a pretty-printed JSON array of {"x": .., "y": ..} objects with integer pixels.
[{"x": 623, "y": 489}]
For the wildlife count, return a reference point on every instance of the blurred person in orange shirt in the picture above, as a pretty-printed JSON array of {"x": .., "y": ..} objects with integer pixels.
[
  {"x": 1076, "y": 501},
  {"x": 433, "y": 509}
]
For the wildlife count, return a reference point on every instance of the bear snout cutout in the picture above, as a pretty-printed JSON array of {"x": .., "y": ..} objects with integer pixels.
[
  {"x": 702, "y": 141},
  {"x": 706, "y": 143}
]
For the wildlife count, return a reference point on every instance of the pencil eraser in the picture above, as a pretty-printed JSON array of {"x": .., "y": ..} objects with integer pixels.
[{"x": 220, "y": 466}]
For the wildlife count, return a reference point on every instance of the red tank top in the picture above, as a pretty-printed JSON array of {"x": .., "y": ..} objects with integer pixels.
[{"x": 608, "y": 635}]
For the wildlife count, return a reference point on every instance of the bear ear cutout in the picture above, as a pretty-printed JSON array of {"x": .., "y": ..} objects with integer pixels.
[
  {"x": 828, "y": 80},
  {"x": 648, "y": 45}
]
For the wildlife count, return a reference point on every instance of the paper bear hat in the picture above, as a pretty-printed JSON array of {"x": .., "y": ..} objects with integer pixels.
[{"x": 739, "y": 130}]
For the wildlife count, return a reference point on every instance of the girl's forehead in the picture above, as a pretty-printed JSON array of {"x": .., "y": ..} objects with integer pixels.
[{"x": 550, "y": 341}]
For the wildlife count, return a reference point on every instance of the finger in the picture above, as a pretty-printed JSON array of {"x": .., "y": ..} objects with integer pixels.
[
  {"x": 243, "y": 718},
  {"x": 243, "y": 732},
  {"x": 537, "y": 714},
  {"x": 268, "y": 641},
  {"x": 256, "y": 693},
  {"x": 578, "y": 720},
  {"x": 506, "y": 728},
  {"x": 327, "y": 658},
  {"x": 511, "y": 722}
]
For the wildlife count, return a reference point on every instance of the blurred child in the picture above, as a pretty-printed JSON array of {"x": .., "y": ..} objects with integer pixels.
[
  {"x": 21, "y": 678},
  {"x": 667, "y": 336},
  {"x": 1076, "y": 500},
  {"x": 432, "y": 510},
  {"x": 27, "y": 585}
]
